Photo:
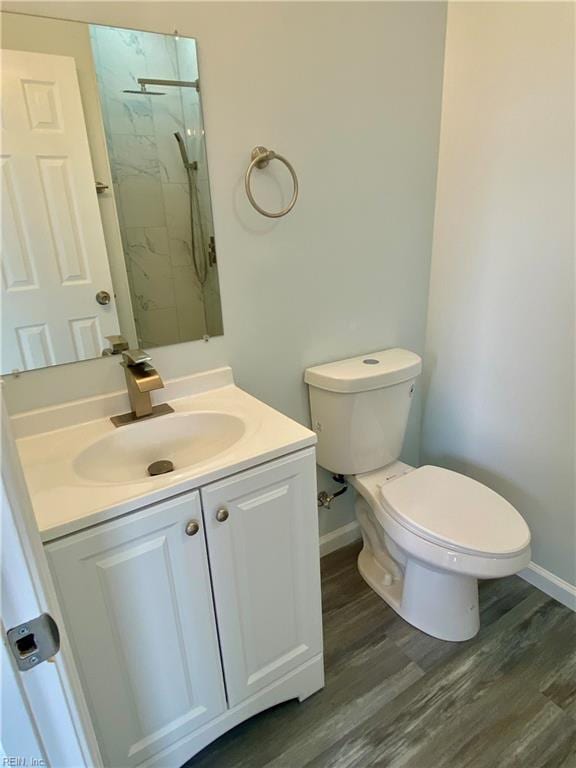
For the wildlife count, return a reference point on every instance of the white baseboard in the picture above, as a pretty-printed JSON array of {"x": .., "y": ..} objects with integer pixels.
[
  {"x": 339, "y": 538},
  {"x": 552, "y": 585}
]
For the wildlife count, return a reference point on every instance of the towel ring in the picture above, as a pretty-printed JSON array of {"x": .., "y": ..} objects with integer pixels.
[{"x": 260, "y": 159}]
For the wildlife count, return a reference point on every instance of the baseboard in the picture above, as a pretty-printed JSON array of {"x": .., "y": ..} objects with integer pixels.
[
  {"x": 552, "y": 585},
  {"x": 339, "y": 538}
]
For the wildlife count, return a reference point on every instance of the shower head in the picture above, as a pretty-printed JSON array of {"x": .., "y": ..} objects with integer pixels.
[
  {"x": 143, "y": 92},
  {"x": 182, "y": 148}
]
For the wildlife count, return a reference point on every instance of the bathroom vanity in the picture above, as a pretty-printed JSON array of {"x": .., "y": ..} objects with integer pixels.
[{"x": 191, "y": 599}]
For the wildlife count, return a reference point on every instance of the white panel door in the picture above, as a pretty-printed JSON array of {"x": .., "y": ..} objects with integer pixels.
[
  {"x": 137, "y": 603},
  {"x": 54, "y": 258},
  {"x": 265, "y": 566}
]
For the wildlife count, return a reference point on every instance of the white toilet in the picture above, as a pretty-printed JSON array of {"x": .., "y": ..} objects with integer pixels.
[{"x": 429, "y": 534}]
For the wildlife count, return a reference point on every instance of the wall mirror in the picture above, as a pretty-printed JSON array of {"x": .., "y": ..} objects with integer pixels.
[{"x": 107, "y": 232}]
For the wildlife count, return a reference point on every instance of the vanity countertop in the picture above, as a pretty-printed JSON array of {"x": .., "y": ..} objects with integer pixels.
[{"x": 66, "y": 500}]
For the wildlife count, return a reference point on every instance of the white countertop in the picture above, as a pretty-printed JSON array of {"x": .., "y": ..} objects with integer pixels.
[{"x": 64, "y": 502}]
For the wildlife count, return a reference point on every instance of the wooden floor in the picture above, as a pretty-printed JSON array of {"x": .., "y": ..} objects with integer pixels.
[{"x": 397, "y": 698}]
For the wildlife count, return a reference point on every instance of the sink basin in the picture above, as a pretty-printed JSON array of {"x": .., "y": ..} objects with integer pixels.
[{"x": 185, "y": 439}]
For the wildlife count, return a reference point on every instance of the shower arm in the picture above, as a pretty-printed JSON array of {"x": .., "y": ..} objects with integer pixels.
[{"x": 144, "y": 81}]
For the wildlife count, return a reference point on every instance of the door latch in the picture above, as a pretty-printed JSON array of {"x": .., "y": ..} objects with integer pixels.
[{"x": 34, "y": 641}]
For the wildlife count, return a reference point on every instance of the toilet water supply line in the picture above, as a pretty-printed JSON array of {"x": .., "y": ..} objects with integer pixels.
[{"x": 325, "y": 498}]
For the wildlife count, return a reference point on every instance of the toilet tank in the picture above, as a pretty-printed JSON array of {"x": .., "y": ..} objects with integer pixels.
[{"x": 360, "y": 409}]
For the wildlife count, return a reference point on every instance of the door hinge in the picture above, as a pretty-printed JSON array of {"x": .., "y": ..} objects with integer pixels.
[{"x": 34, "y": 641}]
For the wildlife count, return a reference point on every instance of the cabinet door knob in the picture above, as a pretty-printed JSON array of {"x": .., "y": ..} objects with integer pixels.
[
  {"x": 222, "y": 515},
  {"x": 192, "y": 528}
]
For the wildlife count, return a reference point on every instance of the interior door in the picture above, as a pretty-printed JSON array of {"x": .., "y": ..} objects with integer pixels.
[
  {"x": 54, "y": 259},
  {"x": 137, "y": 604},
  {"x": 43, "y": 710},
  {"x": 265, "y": 564}
]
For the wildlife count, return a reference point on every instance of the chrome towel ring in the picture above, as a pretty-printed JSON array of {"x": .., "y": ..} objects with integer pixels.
[{"x": 260, "y": 159}]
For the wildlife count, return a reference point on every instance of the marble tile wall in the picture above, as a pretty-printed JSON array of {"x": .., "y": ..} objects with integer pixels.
[{"x": 150, "y": 181}]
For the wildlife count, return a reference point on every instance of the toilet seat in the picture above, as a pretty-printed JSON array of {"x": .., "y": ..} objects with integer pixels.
[
  {"x": 430, "y": 546},
  {"x": 454, "y": 511}
]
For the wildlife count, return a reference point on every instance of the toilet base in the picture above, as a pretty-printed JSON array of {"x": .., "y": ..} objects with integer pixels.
[{"x": 440, "y": 603}]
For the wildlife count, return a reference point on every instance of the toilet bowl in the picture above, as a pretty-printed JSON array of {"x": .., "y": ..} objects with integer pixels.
[{"x": 428, "y": 533}]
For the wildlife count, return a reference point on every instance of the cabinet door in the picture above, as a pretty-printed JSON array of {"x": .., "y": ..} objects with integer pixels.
[
  {"x": 265, "y": 568},
  {"x": 137, "y": 605}
]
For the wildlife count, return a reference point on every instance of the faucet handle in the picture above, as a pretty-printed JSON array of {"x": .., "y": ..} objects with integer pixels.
[
  {"x": 118, "y": 344},
  {"x": 135, "y": 357}
]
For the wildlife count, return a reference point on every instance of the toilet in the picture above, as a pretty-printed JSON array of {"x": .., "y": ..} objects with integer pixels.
[{"x": 428, "y": 533}]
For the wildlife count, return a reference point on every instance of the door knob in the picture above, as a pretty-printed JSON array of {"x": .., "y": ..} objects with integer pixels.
[
  {"x": 192, "y": 528},
  {"x": 103, "y": 297},
  {"x": 222, "y": 515}
]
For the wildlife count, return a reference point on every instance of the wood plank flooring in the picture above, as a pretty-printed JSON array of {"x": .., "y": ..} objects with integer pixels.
[{"x": 396, "y": 698}]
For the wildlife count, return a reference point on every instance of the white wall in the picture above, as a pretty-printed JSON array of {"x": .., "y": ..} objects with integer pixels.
[
  {"x": 350, "y": 93},
  {"x": 500, "y": 339}
]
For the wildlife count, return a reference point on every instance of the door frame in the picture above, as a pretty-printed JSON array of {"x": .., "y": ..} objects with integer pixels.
[{"x": 51, "y": 692}]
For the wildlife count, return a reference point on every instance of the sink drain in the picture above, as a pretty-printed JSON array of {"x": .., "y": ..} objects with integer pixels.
[{"x": 160, "y": 467}]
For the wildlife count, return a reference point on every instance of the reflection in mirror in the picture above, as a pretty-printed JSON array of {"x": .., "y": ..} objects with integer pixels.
[{"x": 108, "y": 238}]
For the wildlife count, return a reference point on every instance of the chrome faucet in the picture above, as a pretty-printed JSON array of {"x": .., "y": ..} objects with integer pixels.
[{"x": 141, "y": 379}]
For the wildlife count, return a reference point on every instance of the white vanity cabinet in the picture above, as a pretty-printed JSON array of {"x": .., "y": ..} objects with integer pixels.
[{"x": 196, "y": 612}]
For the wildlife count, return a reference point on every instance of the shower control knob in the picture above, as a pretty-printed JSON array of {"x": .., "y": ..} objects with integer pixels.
[
  {"x": 222, "y": 515},
  {"x": 192, "y": 528}
]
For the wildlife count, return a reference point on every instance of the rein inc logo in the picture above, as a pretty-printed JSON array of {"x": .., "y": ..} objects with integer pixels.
[{"x": 23, "y": 762}]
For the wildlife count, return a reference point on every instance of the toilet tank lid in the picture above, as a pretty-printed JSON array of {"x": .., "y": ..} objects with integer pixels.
[{"x": 370, "y": 371}]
